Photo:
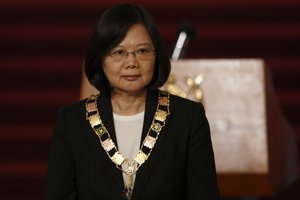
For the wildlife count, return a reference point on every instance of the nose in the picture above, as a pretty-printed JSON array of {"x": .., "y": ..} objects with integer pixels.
[
  {"x": 131, "y": 54},
  {"x": 131, "y": 60}
]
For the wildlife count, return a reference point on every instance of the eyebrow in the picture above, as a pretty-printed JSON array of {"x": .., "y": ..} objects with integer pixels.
[{"x": 141, "y": 44}]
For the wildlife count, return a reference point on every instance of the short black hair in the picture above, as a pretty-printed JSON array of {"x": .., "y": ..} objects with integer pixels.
[{"x": 110, "y": 31}]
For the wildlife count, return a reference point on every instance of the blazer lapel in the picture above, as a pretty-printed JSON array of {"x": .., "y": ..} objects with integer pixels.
[
  {"x": 150, "y": 109},
  {"x": 144, "y": 171},
  {"x": 105, "y": 110}
]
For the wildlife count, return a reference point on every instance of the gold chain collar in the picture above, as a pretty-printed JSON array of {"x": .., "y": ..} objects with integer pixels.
[{"x": 130, "y": 165}]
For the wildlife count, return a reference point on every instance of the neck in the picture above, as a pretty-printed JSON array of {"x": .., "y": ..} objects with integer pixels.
[{"x": 128, "y": 104}]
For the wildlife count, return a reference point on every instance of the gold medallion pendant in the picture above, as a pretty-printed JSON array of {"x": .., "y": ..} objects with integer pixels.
[{"x": 128, "y": 166}]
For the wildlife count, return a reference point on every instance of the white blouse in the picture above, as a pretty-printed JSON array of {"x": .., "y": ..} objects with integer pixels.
[{"x": 128, "y": 132}]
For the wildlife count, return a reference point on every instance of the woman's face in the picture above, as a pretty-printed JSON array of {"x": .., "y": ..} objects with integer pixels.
[{"x": 129, "y": 67}]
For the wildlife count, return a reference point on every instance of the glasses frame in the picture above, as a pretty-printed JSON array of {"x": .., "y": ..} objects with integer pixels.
[{"x": 141, "y": 54}]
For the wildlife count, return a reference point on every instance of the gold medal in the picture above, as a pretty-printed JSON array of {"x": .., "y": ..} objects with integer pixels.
[
  {"x": 117, "y": 158},
  {"x": 160, "y": 115},
  {"x": 149, "y": 142},
  {"x": 92, "y": 107},
  {"x": 141, "y": 157},
  {"x": 129, "y": 166},
  {"x": 100, "y": 131},
  {"x": 94, "y": 120},
  {"x": 164, "y": 101},
  {"x": 108, "y": 145},
  {"x": 156, "y": 127}
]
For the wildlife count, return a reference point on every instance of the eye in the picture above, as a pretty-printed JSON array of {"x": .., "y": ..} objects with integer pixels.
[
  {"x": 118, "y": 52},
  {"x": 143, "y": 51}
]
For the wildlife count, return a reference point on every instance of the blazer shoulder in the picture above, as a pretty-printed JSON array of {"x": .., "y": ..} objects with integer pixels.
[
  {"x": 74, "y": 109},
  {"x": 186, "y": 109},
  {"x": 187, "y": 104}
]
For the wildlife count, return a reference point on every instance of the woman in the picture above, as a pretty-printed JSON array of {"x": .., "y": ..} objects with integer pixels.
[{"x": 132, "y": 141}]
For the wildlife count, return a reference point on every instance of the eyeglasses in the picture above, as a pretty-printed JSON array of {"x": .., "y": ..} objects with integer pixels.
[{"x": 140, "y": 54}]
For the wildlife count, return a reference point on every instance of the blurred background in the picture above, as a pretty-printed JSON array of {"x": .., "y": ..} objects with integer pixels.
[{"x": 42, "y": 47}]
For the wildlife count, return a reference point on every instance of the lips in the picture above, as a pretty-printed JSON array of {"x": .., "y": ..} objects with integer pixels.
[{"x": 131, "y": 77}]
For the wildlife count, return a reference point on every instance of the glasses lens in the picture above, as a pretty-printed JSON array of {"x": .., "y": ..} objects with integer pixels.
[
  {"x": 139, "y": 54},
  {"x": 144, "y": 53}
]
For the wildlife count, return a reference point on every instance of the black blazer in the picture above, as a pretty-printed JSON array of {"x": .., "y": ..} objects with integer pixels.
[{"x": 181, "y": 165}]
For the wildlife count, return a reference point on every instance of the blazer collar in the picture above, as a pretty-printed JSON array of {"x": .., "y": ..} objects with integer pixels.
[
  {"x": 145, "y": 170},
  {"x": 105, "y": 109}
]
